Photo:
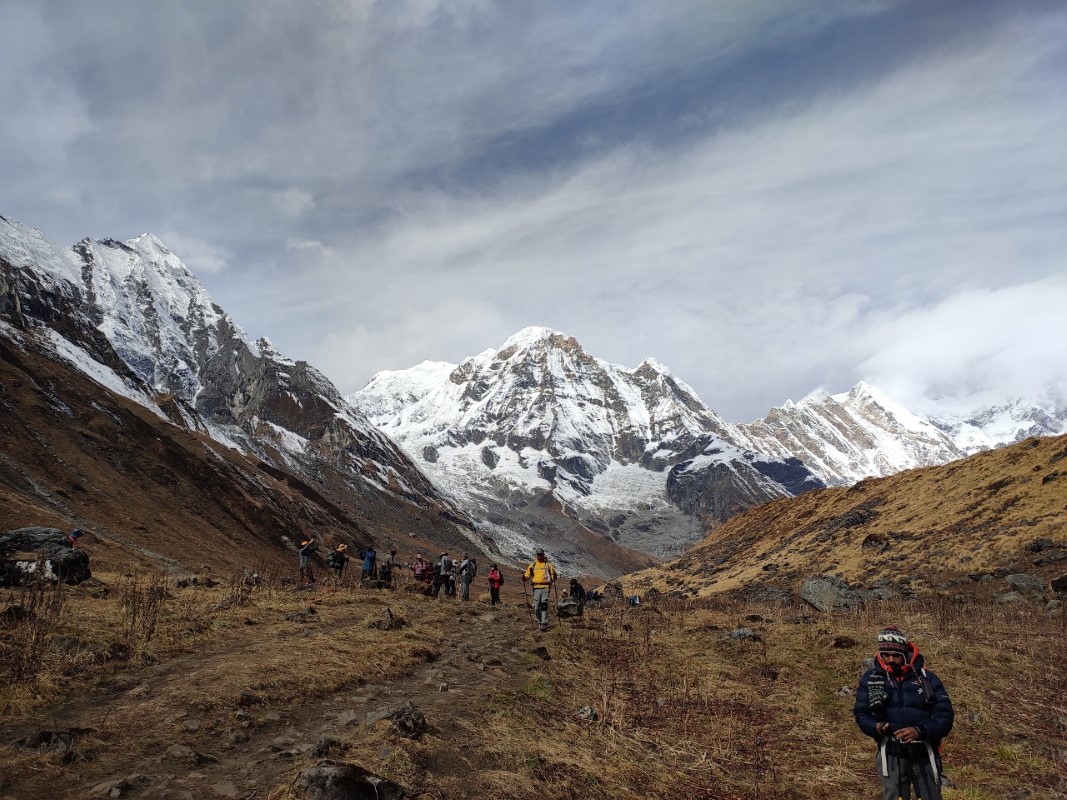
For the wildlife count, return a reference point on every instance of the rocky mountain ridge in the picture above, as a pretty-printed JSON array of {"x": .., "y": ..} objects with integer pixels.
[{"x": 131, "y": 319}]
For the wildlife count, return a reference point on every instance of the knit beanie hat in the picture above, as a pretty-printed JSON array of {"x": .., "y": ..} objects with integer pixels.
[{"x": 891, "y": 640}]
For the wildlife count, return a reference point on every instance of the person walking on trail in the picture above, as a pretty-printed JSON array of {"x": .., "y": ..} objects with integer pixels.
[
  {"x": 369, "y": 562},
  {"x": 541, "y": 575},
  {"x": 306, "y": 552},
  {"x": 385, "y": 571},
  {"x": 468, "y": 568},
  {"x": 337, "y": 561},
  {"x": 905, "y": 708},
  {"x": 74, "y": 536},
  {"x": 496, "y": 580}
]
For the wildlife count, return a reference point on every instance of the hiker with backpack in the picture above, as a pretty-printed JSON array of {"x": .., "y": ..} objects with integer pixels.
[
  {"x": 905, "y": 708},
  {"x": 577, "y": 593},
  {"x": 421, "y": 570},
  {"x": 468, "y": 568},
  {"x": 442, "y": 570},
  {"x": 306, "y": 553},
  {"x": 337, "y": 560},
  {"x": 496, "y": 580},
  {"x": 542, "y": 575}
]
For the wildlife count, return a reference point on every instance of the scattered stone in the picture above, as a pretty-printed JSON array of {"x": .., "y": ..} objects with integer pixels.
[
  {"x": 191, "y": 725},
  {"x": 225, "y": 789},
  {"x": 1060, "y": 584},
  {"x": 410, "y": 722},
  {"x": 348, "y": 717},
  {"x": 844, "y": 642},
  {"x": 323, "y": 747},
  {"x": 588, "y": 713},
  {"x": 845, "y": 691},
  {"x": 332, "y": 780},
  {"x": 743, "y": 634},
  {"x": 443, "y": 687},
  {"x": 377, "y": 716},
  {"x": 541, "y": 652}
]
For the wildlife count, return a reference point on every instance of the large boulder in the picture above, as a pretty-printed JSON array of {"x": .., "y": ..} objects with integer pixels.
[
  {"x": 830, "y": 593},
  {"x": 41, "y": 553}
]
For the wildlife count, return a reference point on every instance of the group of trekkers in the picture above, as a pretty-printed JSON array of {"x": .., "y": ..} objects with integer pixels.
[
  {"x": 372, "y": 568},
  {"x": 451, "y": 576}
]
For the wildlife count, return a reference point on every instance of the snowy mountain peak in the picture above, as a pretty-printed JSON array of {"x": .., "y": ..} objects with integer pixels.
[{"x": 540, "y": 418}]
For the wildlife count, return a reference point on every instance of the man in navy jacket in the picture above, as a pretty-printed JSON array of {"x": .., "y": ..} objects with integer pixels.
[{"x": 904, "y": 707}]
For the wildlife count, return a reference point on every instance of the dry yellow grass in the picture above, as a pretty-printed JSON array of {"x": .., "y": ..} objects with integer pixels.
[{"x": 683, "y": 711}]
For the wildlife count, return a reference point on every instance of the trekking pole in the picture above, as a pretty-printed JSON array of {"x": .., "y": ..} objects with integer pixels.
[{"x": 529, "y": 605}]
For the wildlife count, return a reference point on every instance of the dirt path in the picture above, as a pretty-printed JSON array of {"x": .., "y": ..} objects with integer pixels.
[{"x": 246, "y": 752}]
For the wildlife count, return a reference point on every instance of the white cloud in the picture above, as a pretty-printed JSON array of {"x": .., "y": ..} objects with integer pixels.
[
  {"x": 199, "y": 256},
  {"x": 975, "y": 342}
]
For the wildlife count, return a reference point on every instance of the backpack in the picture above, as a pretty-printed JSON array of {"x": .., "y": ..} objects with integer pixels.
[
  {"x": 332, "y": 560},
  {"x": 472, "y": 568}
]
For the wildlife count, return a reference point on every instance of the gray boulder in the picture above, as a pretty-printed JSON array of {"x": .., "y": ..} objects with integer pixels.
[
  {"x": 334, "y": 780},
  {"x": 830, "y": 593},
  {"x": 1027, "y": 585},
  {"x": 41, "y": 553}
]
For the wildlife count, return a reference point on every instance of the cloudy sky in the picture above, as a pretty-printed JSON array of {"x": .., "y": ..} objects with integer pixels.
[{"x": 768, "y": 196}]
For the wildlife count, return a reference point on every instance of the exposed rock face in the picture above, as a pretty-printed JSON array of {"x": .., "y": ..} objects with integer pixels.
[{"x": 22, "y": 549}]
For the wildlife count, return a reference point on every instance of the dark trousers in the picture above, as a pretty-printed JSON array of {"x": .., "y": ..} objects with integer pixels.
[{"x": 494, "y": 595}]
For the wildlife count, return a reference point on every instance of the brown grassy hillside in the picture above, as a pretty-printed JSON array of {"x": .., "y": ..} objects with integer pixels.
[{"x": 933, "y": 525}]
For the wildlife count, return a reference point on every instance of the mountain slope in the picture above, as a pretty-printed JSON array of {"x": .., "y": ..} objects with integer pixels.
[
  {"x": 134, "y": 322},
  {"x": 927, "y": 526},
  {"x": 540, "y": 423}
]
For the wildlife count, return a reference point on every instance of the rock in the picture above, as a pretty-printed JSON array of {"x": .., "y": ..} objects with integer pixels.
[
  {"x": 225, "y": 789},
  {"x": 410, "y": 722},
  {"x": 843, "y": 642},
  {"x": 324, "y": 746},
  {"x": 1010, "y": 597},
  {"x": 332, "y": 780},
  {"x": 44, "y": 553},
  {"x": 388, "y": 622},
  {"x": 1028, "y": 585},
  {"x": 587, "y": 713},
  {"x": 1060, "y": 584},
  {"x": 830, "y": 593},
  {"x": 541, "y": 653},
  {"x": 743, "y": 634},
  {"x": 845, "y": 691},
  {"x": 372, "y": 717}
]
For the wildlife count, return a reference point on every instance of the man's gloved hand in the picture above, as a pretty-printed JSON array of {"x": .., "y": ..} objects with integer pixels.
[{"x": 877, "y": 696}]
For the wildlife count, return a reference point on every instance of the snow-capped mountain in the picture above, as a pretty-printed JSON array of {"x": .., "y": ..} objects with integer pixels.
[
  {"x": 132, "y": 315},
  {"x": 846, "y": 437},
  {"x": 862, "y": 433},
  {"x": 539, "y": 422}
]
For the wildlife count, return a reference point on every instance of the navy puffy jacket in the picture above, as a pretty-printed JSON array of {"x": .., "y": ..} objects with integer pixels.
[{"x": 907, "y": 705}]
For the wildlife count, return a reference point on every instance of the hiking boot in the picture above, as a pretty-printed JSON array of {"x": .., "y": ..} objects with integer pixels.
[{"x": 542, "y": 627}]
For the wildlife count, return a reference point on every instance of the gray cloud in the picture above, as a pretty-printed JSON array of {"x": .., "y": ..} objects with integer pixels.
[{"x": 767, "y": 197}]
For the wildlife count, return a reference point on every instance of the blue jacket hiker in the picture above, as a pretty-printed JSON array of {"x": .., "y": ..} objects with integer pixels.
[
  {"x": 369, "y": 557},
  {"x": 905, "y": 708}
]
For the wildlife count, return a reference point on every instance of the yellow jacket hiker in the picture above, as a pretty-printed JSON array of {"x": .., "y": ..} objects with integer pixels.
[{"x": 541, "y": 574}]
